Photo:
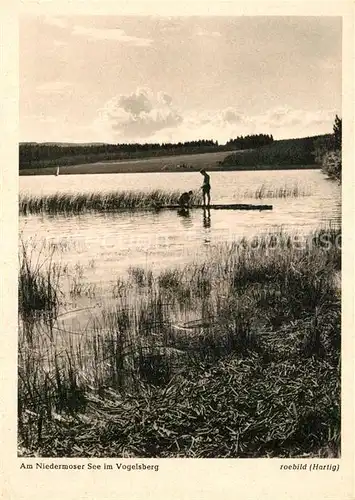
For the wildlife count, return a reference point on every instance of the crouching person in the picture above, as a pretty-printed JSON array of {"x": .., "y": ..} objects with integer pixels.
[{"x": 185, "y": 200}]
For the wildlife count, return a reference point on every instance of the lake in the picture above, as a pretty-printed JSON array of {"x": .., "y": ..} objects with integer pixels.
[
  {"x": 97, "y": 248},
  {"x": 108, "y": 243}
]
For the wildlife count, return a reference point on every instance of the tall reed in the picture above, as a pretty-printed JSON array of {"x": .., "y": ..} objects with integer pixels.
[
  {"x": 69, "y": 203},
  {"x": 152, "y": 378},
  {"x": 286, "y": 191},
  {"x": 38, "y": 283}
]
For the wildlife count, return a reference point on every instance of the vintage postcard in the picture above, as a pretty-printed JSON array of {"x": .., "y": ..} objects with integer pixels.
[{"x": 177, "y": 275}]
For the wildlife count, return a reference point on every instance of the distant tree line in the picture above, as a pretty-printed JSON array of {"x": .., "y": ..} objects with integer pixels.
[
  {"x": 49, "y": 154},
  {"x": 250, "y": 141},
  {"x": 283, "y": 153},
  {"x": 327, "y": 151},
  {"x": 34, "y": 155}
]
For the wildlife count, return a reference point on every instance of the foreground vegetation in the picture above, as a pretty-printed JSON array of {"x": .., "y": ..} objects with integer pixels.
[
  {"x": 323, "y": 151},
  {"x": 237, "y": 356},
  {"x": 328, "y": 152}
]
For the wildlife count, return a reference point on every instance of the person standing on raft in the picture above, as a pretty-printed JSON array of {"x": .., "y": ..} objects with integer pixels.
[{"x": 206, "y": 188}]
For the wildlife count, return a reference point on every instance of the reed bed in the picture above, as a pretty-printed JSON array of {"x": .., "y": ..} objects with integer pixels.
[
  {"x": 229, "y": 410},
  {"x": 69, "y": 203},
  {"x": 286, "y": 191},
  {"x": 39, "y": 289},
  {"x": 237, "y": 356}
]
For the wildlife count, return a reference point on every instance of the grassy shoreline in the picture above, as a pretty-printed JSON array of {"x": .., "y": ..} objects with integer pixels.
[
  {"x": 124, "y": 168},
  {"x": 237, "y": 356}
]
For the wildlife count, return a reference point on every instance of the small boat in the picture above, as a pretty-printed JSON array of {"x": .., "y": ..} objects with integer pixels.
[{"x": 57, "y": 172}]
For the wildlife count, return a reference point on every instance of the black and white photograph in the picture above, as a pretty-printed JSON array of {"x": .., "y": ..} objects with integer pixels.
[{"x": 180, "y": 237}]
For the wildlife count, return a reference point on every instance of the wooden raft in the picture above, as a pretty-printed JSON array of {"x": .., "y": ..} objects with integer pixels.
[{"x": 237, "y": 206}]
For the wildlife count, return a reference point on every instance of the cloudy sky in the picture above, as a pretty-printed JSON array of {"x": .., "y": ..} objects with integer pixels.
[{"x": 148, "y": 79}]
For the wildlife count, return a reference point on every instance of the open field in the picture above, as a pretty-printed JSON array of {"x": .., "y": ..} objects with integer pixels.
[
  {"x": 282, "y": 154},
  {"x": 180, "y": 163},
  {"x": 236, "y": 356},
  {"x": 192, "y": 162}
]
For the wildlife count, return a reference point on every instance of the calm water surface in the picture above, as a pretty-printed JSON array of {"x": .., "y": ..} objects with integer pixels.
[{"x": 107, "y": 244}]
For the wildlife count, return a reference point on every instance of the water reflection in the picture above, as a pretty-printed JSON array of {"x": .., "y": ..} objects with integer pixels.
[
  {"x": 206, "y": 218},
  {"x": 117, "y": 240},
  {"x": 206, "y": 221},
  {"x": 185, "y": 217}
]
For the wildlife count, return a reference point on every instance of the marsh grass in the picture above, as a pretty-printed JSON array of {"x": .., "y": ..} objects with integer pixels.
[
  {"x": 39, "y": 288},
  {"x": 286, "y": 191},
  {"x": 237, "y": 356},
  {"x": 69, "y": 203}
]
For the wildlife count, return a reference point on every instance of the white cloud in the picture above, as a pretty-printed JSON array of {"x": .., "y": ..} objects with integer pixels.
[
  {"x": 298, "y": 119},
  {"x": 137, "y": 116},
  {"x": 217, "y": 125},
  {"x": 93, "y": 33},
  {"x": 166, "y": 98},
  {"x": 110, "y": 34},
  {"x": 145, "y": 116},
  {"x": 137, "y": 103},
  {"x": 230, "y": 115},
  {"x": 142, "y": 116}
]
